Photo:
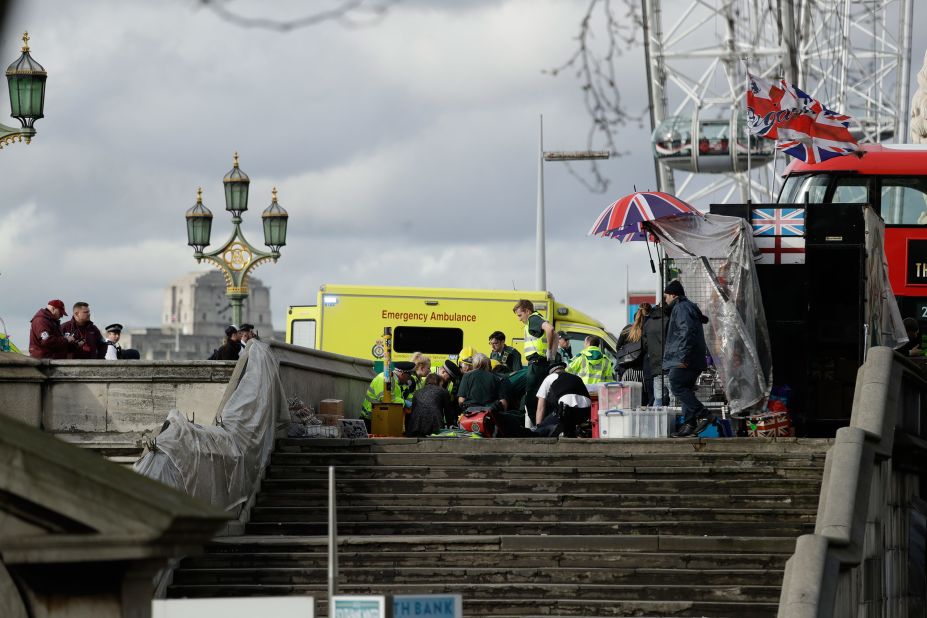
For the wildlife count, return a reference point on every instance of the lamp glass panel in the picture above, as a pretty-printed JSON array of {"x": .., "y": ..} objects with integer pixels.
[
  {"x": 236, "y": 196},
  {"x": 199, "y": 230},
  {"x": 275, "y": 231},
  {"x": 27, "y": 96}
]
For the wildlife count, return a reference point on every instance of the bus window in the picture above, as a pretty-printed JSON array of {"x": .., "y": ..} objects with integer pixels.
[
  {"x": 427, "y": 339},
  {"x": 904, "y": 200},
  {"x": 797, "y": 187},
  {"x": 851, "y": 190},
  {"x": 302, "y": 332}
]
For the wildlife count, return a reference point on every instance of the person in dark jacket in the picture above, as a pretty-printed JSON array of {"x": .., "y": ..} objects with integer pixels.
[
  {"x": 89, "y": 341},
  {"x": 479, "y": 388},
  {"x": 45, "y": 337},
  {"x": 230, "y": 348},
  {"x": 684, "y": 357},
  {"x": 653, "y": 338},
  {"x": 431, "y": 407}
]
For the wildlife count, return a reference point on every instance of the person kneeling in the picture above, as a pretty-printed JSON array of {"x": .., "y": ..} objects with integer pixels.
[{"x": 563, "y": 403}]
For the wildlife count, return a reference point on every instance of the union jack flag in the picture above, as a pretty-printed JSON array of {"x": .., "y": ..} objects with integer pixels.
[
  {"x": 778, "y": 221},
  {"x": 807, "y": 129}
]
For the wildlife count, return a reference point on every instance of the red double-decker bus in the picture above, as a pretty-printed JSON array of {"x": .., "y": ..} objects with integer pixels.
[{"x": 893, "y": 180}]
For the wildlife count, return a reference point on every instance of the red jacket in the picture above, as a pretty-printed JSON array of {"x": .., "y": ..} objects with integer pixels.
[
  {"x": 93, "y": 346},
  {"x": 45, "y": 338}
]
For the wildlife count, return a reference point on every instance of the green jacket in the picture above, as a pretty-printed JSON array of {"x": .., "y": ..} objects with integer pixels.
[
  {"x": 375, "y": 394},
  {"x": 592, "y": 366}
]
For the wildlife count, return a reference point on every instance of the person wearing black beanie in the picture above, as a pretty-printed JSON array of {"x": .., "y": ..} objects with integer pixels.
[{"x": 684, "y": 357}]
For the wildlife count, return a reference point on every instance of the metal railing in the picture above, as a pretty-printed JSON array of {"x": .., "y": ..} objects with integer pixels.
[
  {"x": 869, "y": 480},
  {"x": 332, "y": 538}
]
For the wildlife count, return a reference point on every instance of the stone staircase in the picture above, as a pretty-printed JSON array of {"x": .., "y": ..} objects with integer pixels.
[{"x": 528, "y": 527}]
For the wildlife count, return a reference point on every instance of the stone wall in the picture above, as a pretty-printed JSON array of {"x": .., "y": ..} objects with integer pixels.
[{"x": 110, "y": 406}]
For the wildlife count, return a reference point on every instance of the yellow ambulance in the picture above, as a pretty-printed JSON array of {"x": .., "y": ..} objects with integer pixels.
[{"x": 439, "y": 322}]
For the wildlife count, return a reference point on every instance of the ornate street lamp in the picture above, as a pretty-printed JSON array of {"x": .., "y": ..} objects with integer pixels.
[
  {"x": 237, "y": 257},
  {"x": 26, "y": 81}
]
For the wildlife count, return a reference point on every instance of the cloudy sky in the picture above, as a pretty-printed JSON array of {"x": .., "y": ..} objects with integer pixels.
[{"x": 405, "y": 153}]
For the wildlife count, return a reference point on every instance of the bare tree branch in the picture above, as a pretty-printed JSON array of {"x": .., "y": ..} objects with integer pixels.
[
  {"x": 594, "y": 63},
  {"x": 350, "y": 14}
]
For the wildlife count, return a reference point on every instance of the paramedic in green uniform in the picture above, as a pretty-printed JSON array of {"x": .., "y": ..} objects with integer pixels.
[{"x": 539, "y": 351}]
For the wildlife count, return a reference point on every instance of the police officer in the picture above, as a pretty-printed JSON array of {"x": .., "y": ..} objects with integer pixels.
[
  {"x": 113, "y": 349},
  {"x": 401, "y": 389},
  {"x": 245, "y": 333}
]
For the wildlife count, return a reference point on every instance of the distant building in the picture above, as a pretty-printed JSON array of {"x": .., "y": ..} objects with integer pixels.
[
  {"x": 194, "y": 315},
  {"x": 197, "y": 305}
]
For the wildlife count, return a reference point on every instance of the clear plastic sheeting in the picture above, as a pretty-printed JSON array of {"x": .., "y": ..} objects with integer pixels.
[
  {"x": 716, "y": 259},
  {"x": 221, "y": 464},
  {"x": 884, "y": 324}
]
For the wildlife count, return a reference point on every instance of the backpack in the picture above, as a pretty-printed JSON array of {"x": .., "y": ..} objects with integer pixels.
[
  {"x": 630, "y": 352},
  {"x": 479, "y": 421}
]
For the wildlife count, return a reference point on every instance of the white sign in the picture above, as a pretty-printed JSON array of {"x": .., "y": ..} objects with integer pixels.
[
  {"x": 359, "y": 607},
  {"x": 234, "y": 607}
]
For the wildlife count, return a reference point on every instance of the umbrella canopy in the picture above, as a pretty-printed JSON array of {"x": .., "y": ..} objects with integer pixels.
[{"x": 622, "y": 220}]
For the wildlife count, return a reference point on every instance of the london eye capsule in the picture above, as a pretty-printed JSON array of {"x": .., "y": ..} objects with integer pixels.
[{"x": 692, "y": 144}]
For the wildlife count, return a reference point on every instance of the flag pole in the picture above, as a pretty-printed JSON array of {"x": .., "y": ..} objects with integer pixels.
[{"x": 747, "y": 131}]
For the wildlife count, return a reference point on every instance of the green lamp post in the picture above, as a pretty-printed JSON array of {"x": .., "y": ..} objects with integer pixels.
[
  {"x": 26, "y": 81},
  {"x": 237, "y": 257}
]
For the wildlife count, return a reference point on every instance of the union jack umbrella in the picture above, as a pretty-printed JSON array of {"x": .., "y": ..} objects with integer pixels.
[{"x": 622, "y": 220}]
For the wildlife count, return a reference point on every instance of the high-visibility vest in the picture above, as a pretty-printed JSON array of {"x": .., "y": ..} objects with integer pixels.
[
  {"x": 535, "y": 345},
  {"x": 375, "y": 394},
  {"x": 591, "y": 371}
]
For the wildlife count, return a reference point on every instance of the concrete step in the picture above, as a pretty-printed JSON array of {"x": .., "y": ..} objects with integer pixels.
[
  {"x": 653, "y": 527},
  {"x": 540, "y": 593},
  {"x": 529, "y": 513},
  {"x": 532, "y": 527},
  {"x": 488, "y": 486},
  {"x": 489, "y": 544},
  {"x": 498, "y": 574},
  {"x": 558, "y": 446},
  {"x": 519, "y": 500},
  {"x": 400, "y": 559},
  {"x": 384, "y": 472},
  {"x": 587, "y": 460}
]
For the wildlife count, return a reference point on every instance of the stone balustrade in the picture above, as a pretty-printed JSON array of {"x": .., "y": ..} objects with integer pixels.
[{"x": 110, "y": 406}]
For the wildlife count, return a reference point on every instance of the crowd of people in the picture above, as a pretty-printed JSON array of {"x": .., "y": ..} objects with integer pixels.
[
  {"x": 80, "y": 339},
  {"x": 664, "y": 347},
  {"x": 77, "y": 338},
  {"x": 548, "y": 389}
]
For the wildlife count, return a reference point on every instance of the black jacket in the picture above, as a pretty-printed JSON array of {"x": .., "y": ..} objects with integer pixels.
[{"x": 654, "y": 335}]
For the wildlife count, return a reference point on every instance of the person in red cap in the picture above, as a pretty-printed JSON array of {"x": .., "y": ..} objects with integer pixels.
[{"x": 45, "y": 338}]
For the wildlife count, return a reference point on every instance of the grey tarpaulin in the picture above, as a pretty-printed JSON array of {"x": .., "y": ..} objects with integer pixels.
[
  {"x": 884, "y": 324},
  {"x": 221, "y": 464},
  {"x": 716, "y": 253}
]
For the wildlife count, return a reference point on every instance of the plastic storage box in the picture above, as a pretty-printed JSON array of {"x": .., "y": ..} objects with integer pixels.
[
  {"x": 639, "y": 423},
  {"x": 620, "y": 395}
]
